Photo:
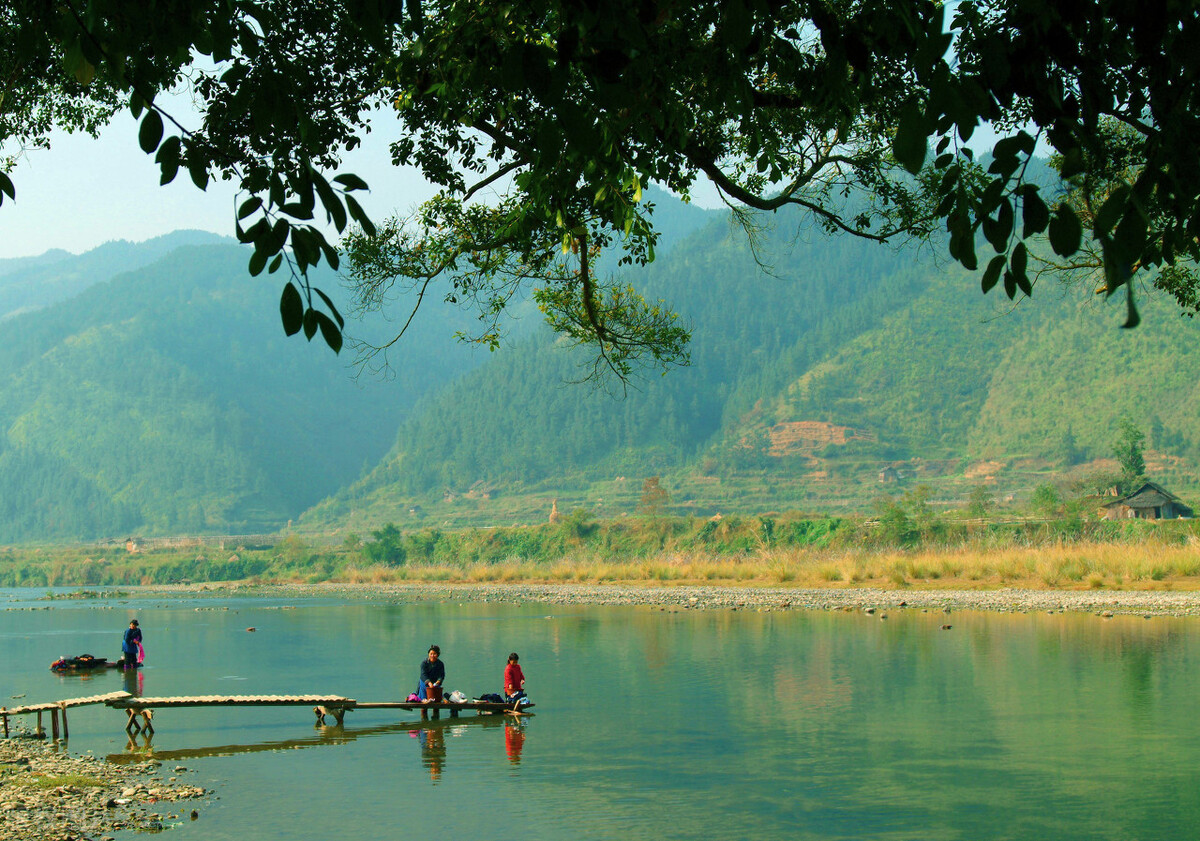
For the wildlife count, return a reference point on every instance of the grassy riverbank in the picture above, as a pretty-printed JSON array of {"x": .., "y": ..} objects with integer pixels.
[{"x": 772, "y": 550}]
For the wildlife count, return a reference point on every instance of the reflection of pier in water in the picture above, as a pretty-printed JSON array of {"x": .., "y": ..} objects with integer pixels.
[{"x": 141, "y": 749}]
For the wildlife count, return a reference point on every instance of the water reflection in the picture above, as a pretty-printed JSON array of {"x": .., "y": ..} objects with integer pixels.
[
  {"x": 430, "y": 734},
  {"x": 433, "y": 749},
  {"x": 514, "y": 740},
  {"x": 1071, "y": 727},
  {"x": 133, "y": 682}
]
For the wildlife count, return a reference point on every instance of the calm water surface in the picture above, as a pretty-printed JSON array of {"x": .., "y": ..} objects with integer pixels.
[{"x": 650, "y": 724}]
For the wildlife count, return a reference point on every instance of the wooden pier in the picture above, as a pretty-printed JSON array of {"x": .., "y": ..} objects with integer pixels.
[
  {"x": 322, "y": 705},
  {"x": 57, "y": 708}
]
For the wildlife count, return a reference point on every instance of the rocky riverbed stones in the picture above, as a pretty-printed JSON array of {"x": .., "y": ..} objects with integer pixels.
[
  {"x": 46, "y": 794},
  {"x": 1136, "y": 602}
]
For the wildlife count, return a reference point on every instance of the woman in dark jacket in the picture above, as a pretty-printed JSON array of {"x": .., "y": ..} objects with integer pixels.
[
  {"x": 129, "y": 645},
  {"x": 433, "y": 675}
]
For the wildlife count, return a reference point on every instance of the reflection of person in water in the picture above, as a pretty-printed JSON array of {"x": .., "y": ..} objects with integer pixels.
[
  {"x": 433, "y": 750},
  {"x": 514, "y": 741},
  {"x": 132, "y": 681}
]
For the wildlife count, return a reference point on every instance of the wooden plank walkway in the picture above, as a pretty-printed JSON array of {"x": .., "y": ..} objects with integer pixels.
[
  {"x": 57, "y": 707},
  {"x": 322, "y": 705},
  {"x": 231, "y": 701}
]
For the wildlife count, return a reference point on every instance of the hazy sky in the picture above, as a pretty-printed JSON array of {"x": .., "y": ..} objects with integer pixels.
[{"x": 84, "y": 192}]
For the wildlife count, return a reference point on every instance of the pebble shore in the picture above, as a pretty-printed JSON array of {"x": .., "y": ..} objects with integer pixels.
[
  {"x": 1136, "y": 602},
  {"x": 47, "y": 794}
]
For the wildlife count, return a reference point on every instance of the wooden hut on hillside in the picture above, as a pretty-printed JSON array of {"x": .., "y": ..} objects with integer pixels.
[{"x": 1149, "y": 502}]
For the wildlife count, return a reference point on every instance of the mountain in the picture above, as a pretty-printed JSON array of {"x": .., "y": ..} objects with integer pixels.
[
  {"x": 30, "y": 283},
  {"x": 149, "y": 388},
  {"x": 168, "y": 400},
  {"x": 808, "y": 377}
]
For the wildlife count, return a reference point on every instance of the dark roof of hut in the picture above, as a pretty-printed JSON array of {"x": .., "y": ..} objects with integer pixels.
[{"x": 1148, "y": 495}]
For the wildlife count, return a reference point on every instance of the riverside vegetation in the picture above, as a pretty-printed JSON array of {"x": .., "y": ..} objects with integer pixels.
[{"x": 906, "y": 545}]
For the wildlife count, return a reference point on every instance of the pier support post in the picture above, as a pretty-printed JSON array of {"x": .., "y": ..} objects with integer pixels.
[
  {"x": 338, "y": 713},
  {"x": 54, "y": 724},
  {"x": 66, "y": 729},
  {"x": 39, "y": 731},
  {"x": 4, "y": 715},
  {"x": 132, "y": 725}
]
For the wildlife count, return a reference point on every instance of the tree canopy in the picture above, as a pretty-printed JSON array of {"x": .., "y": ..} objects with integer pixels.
[{"x": 859, "y": 111}]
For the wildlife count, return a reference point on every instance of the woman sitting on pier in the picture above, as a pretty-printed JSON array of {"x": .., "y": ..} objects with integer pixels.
[
  {"x": 433, "y": 676},
  {"x": 514, "y": 680}
]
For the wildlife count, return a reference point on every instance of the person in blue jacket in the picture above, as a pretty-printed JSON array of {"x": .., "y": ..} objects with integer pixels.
[
  {"x": 433, "y": 675},
  {"x": 129, "y": 645}
]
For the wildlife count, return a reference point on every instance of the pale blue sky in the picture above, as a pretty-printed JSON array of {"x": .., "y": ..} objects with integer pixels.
[{"x": 83, "y": 192}]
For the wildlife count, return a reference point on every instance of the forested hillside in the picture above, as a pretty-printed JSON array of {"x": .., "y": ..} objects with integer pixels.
[
  {"x": 521, "y": 420},
  {"x": 168, "y": 400},
  {"x": 806, "y": 379}
]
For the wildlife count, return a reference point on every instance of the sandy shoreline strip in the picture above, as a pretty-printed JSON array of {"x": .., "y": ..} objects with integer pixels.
[{"x": 1137, "y": 602}]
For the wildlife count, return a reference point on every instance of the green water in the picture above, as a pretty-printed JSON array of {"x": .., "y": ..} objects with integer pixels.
[{"x": 650, "y": 724}]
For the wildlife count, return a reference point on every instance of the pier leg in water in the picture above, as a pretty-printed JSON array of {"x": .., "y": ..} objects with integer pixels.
[
  {"x": 39, "y": 731},
  {"x": 338, "y": 713},
  {"x": 4, "y": 715},
  {"x": 132, "y": 725},
  {"x": 66, "y": 729},
  {"x": 54, "y": 724}
]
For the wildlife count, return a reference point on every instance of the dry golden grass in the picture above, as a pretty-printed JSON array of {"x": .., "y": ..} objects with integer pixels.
[{"x": 1063, "y": 566}]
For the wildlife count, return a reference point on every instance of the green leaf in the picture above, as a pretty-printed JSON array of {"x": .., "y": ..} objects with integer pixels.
[
  {"x": 258, "y": 262},
  {"x": 1130, "y": 235},
  {"x": 350, "y": 181},
  {"x": 992, "y": 274},
  {"x": 1111, "y": 211},
  {"x": 910, "y": 145},
  {"x": 151, "y": 131},
  {"x": 329, "y": 200},
  {"x": 249, "y": 206},
  {"x": 1072, "y": 163},
  {"x": 291, "y": 310},
  {"x": 1034, "y": 213},
  {"x": 329, "y": 331},
  {"x": 168, "y": 159},
  {"x": 6, "y": 187},
  {"x": 331, "y": 255},
  {"x": 1065, "y": 232},
  {"x": 275, "y": 264},
  {"x": 332, "y": 309},
  {"x": 1019, "y": 264},
  {"x": 356, "y": 212},
  {"x": 1132, "y": 319},
  {"x": 310, "y": 323},
  {"x": 297, "y": 210},
  {"x": 198, "y": 170}
]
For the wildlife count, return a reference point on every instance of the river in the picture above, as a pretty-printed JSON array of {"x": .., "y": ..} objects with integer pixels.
[{"x": 650, "y": 723}]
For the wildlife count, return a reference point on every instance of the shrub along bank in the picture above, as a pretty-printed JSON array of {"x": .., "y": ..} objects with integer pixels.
[{"x": 897, "y": 548}]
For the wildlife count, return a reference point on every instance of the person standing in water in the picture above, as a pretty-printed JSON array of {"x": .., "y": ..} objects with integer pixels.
[
  {"x": 433, "y": 676},
  {"x": 514, "y": 680},
  {"x": 129, "y": 645}
]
